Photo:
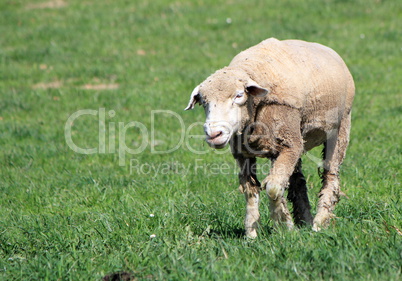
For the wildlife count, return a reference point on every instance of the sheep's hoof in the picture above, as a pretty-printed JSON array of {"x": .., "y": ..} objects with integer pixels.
[
  {"x": 322, "y": 221},
  {"x": 316, "y": 228},
  {"x": 251, "y": 225},
  {"x": 251, "y": 233},
  {"x": 290, "y": 225}
]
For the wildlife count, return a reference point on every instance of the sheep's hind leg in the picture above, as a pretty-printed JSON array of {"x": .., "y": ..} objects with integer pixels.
[
  {"x": 297, "y": 194},
  {"x": 250, "y": 186},
  {"x": 334, "y": 153}
]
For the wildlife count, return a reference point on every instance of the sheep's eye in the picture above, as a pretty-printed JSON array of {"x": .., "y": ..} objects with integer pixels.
[
  {"x": 239, "y": 98},
  {"x": 239, "y": 95}
]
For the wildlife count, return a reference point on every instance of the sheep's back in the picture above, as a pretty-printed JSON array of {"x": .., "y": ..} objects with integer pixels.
[{"x": 303, "y": 75}]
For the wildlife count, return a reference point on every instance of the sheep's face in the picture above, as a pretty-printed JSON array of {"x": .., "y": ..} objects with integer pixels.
[{"x": 227, "y": 98}]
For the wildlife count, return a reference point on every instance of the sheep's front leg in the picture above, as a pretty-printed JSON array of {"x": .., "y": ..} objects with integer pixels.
[
  {"x": 276, "y": 183},
  {"x": 250, "y": 186},
  {"x": 279, "y": 134}
]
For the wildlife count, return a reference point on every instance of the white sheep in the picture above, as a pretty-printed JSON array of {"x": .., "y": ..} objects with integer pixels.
[{"x": 277, "y": 100}]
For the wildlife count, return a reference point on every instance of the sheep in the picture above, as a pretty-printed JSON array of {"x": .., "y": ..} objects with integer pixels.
[{"x": 277, "y": 100}]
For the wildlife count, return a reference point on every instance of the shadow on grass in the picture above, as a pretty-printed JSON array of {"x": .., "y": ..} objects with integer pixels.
[{"x": 236, "y": 233}]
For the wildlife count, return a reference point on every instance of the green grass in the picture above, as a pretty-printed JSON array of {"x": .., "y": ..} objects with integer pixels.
[{"x": 70, "y": 216}]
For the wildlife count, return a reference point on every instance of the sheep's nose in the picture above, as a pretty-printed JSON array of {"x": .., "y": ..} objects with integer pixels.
[
  {"x": 213, "y": 131},
  {"x": 213, "y": 134}
]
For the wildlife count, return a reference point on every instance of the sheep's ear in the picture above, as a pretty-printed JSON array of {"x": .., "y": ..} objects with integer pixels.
[
  {"x": 256, "y": 90},
  {"x": 194, "y": 98}
]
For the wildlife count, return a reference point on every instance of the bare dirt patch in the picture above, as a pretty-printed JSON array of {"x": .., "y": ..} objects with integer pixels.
[
  {"x": 50, "y": 85},
  {"x": 55, "y": 4},
  {"x": 112, "y": 86}
]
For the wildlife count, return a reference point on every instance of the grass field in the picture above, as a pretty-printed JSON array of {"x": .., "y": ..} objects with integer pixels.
[{"x": 155, "y": 201}]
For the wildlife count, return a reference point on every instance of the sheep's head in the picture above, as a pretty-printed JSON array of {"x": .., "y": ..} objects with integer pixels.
[{"x": 227, "y": 97}]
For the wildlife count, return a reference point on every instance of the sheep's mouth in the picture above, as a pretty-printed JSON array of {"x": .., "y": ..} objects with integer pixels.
[{"x": 218, "y": 141}]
